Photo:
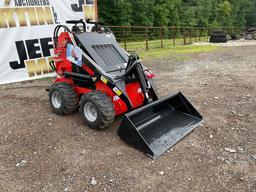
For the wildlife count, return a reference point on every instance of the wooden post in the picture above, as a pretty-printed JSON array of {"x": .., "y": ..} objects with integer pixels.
[
  {"x": 124, "y": 38},
  {"x": 190, "y": 35},
  {"x": 200, "y": 33},
  {"x": 195, "y": 32},
  {"x": 184, "y": 38},
  {"x": 161, "y": 36},
  {"x": 173, "y": 36},
  {"x": 146, "y": 37}
]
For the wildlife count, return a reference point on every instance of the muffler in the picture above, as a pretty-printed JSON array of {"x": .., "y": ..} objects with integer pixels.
[{"x": 156, "y": 127}]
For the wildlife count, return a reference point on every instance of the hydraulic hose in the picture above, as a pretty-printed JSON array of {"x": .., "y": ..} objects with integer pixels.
[
  {"x": 56, "y": 33},
  {"x": 133, "y": 63}
]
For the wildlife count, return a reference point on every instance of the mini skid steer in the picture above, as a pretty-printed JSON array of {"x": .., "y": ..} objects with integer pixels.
[{"x": 96, "y": 76}]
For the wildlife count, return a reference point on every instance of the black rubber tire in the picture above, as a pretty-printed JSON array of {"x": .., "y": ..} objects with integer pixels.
[
  {"x": 104, "y": 107},
  {"x": 69, "y": 98}
]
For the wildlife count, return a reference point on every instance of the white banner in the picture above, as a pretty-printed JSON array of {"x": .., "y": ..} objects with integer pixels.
[{"x": 26, "y": 30}]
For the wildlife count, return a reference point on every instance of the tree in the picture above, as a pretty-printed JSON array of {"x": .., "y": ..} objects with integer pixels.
[
  {"x": 161, "y": 13},
  {"x": 250, "y": 13},
  {"x": 224, "y": 14},
  {"x": 143, "y": 12},
  {"x": 180, "y": 13},
  {"x": 115, "y": 12}
]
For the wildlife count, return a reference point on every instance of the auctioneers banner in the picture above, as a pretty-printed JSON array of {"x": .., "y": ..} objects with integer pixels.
[{"x": 26, "y": 30}]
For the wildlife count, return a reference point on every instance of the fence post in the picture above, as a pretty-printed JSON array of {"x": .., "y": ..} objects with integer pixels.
[
  {"x": 124, "y": 35},
  {"x": 200, "y": 33},
  {"x": 146, "y": 37},
  {"x": 161, "y": 36},
  {"x": 194, "y": 33},
  {"x": 184, "y": 38},
  {"x": 190, "y": 36},
  {"x": 173, "y": 36}
]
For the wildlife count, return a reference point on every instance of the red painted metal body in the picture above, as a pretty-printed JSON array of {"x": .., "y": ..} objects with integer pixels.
[{"x": 133, "y": 90}]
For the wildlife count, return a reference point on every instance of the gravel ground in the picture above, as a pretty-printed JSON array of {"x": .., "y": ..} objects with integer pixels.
[
  {"x": 236, "y": 43},
  {"x": 41, "y": 151}
]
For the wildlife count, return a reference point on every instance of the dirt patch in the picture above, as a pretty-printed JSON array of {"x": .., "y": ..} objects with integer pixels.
[{"x": 41, "y": 151}]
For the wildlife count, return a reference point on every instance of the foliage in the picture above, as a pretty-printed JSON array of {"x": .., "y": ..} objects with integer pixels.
[{"x": 180, "y": 13}]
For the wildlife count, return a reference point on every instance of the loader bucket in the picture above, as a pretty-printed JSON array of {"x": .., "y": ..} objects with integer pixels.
[{"x": 156, "y": 127}]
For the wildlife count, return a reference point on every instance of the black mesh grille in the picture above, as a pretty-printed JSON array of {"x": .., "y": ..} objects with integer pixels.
[{"x": 109, "y": 54}]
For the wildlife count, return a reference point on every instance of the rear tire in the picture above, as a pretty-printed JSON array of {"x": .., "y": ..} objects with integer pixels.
[
  {"x": 97, "y": 110},
  {"x": 63, "y": 99}
]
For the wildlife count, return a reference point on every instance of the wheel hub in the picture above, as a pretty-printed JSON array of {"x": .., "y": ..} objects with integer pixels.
[
  {"x": 90, "y": 112},
  {"x": 56, "y": 99}
]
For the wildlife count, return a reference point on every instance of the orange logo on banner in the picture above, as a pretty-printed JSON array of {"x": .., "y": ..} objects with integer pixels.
[
  {"x": 7, "y": 2},
  {"x": 35, "y": 15},
  {"x": 38, "y": 67}
]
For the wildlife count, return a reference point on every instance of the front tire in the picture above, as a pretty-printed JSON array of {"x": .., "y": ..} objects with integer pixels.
[
  {"x": 63, "y": 99},
  {"x": 97, "y": 110}
]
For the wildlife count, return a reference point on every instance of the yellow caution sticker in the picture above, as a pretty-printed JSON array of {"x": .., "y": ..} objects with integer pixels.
[
  {"x": 117, "y": 91},
  {"x": 103, "y": 79}
]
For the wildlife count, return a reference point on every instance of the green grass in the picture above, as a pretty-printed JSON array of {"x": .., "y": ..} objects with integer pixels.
[
  {"x": 157, "y": 43},
  {"x": 159, "y": 53},
  {"x": 155, "y": 50}
]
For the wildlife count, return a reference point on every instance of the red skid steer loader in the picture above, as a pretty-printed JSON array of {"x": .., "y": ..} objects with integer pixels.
[{"x": 97, "y": 76}]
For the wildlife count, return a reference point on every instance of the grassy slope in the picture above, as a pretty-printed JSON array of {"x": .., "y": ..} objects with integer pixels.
[
  {"x": 159, "y": 53},
  {"x": 155, "y": 50}
]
